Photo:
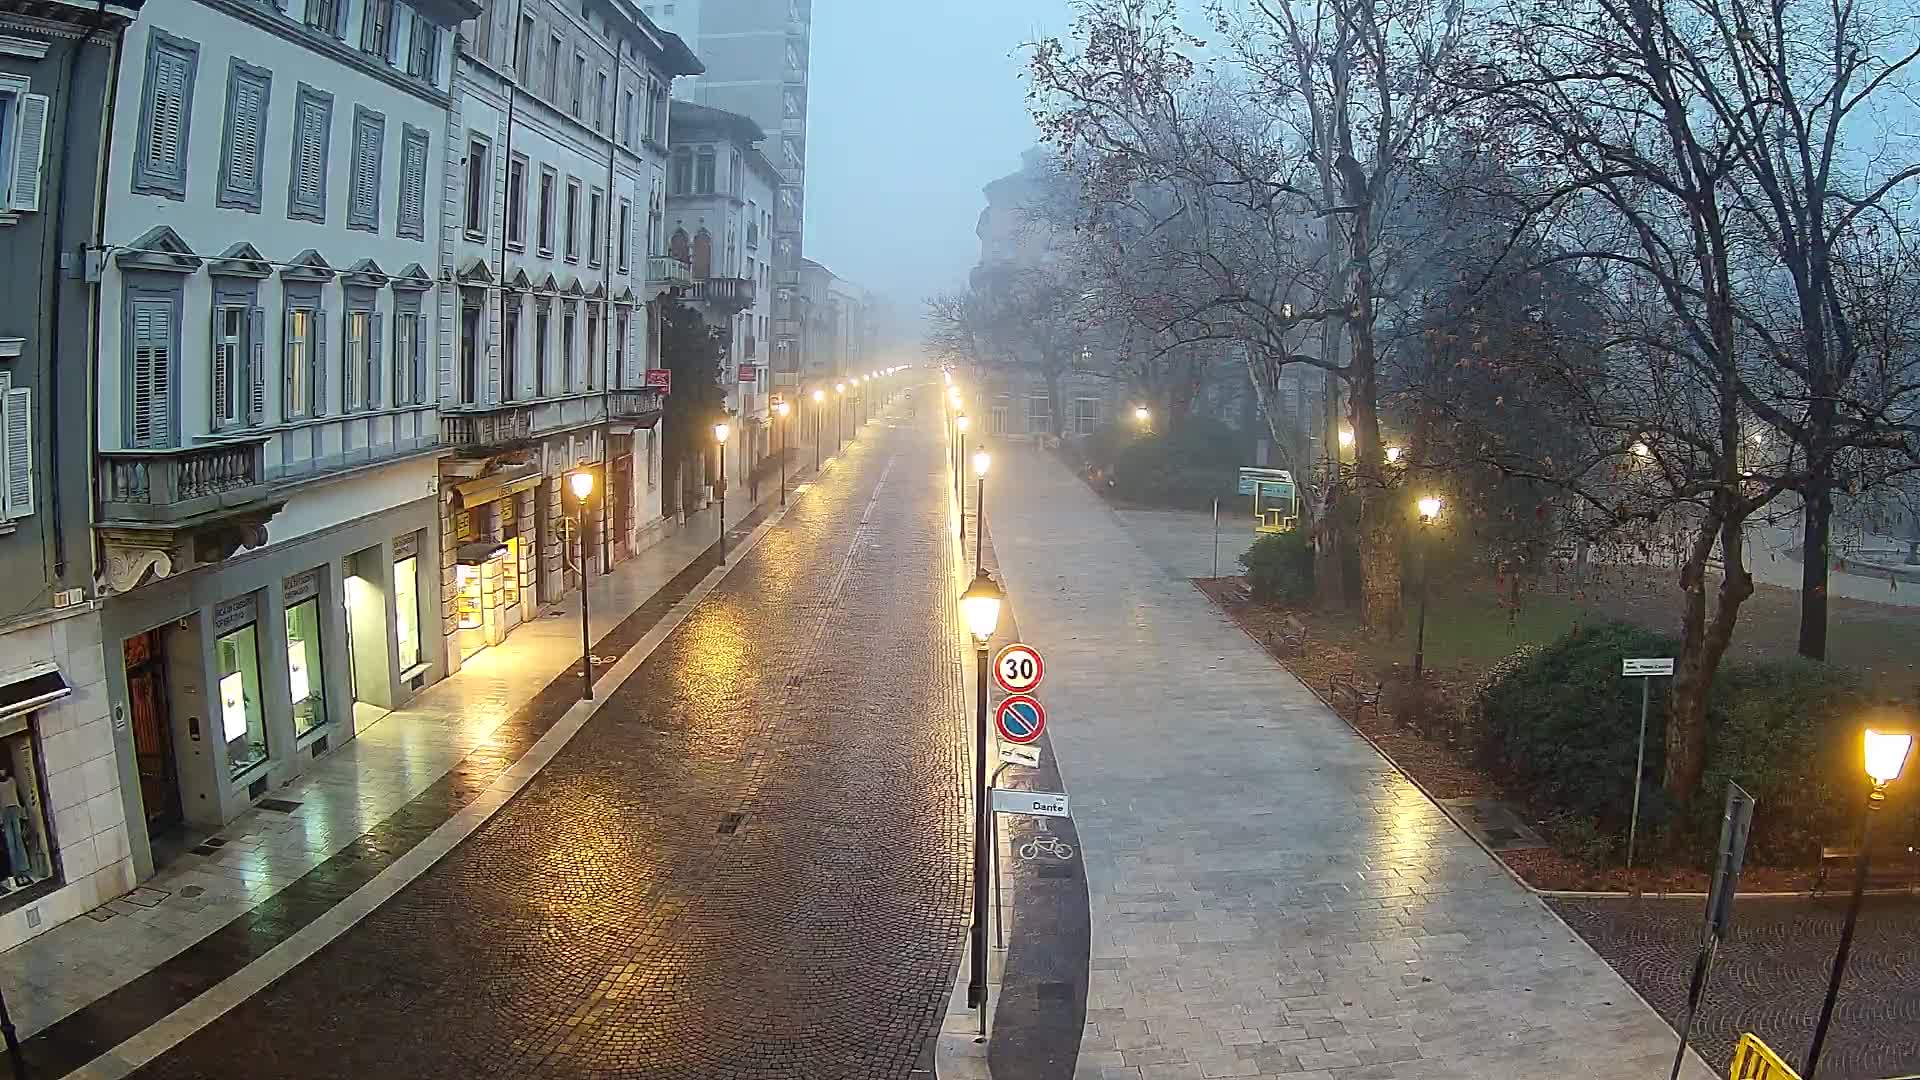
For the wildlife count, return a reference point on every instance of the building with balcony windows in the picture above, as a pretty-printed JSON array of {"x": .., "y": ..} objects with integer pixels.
[
  {"x": 720, "y": 194},
  {"x": 555, "y": 167},
  {"x": 757, "y": 57},
  {"x": 63, "y": 802},
  {"x": 267, "y": 409}
]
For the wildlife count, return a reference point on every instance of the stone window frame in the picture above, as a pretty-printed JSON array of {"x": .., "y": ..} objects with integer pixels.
[
  {"x": 298, "y": 208},
  {"x": 227, "y": 193},
  {"x": 150, "y": 286},
  {"x": 363, "y": 184},
  {"x": 171, "y": 183},
  {"x": 413, "y": 226},
  {"x": 242, "y": 291}
]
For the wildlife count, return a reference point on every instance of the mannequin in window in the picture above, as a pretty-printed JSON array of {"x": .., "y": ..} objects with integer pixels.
[{"x": 13, "y": 819}]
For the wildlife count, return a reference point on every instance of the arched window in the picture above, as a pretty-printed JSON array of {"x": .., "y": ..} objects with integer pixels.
[
  {"x": 702, "y": 255},
  {"x": 677, "y": 245}
]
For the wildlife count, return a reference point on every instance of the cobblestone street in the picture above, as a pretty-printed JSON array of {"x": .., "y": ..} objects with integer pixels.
[{"x": 748, "y": 863}]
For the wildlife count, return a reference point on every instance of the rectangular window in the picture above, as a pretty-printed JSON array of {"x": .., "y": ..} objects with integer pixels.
[
  {"x": 376, "y": 29},
  {"x": 547, "y": 180},
  {"x": 363, "y": 186},
  {"x": 620, "y": 238},
  {"x": 358, "y": 363},
  {"x": 573, "y": 220},
  {"x": 235, "y": 367},
  {"x": 324, "y": 16},
  {"x": 593, "y": 358},
  {"x": 408, "y": 345},
  {"x": 406, "y": 611},
  {"x": 517, "y": 202},
  {"x": 24, "y": 799},
  {"x": 543, "y": 379},
  {"x": 1039, "y": 414},
  {"x": 566, "y": 349},
  {"x": 303, "y": 360},
  {"x": 303, "y": 666},
  {"x": 242, "y": 719},
  {"x": 244, "y": 141},
  {"x": 469, "y": 355},
  {"x": 653, "y": 101},
  {"x": 626, "y": 119},
  {"x": 1086, "y": 415},
  {"x": 312, "y": 131},
  {"x": 413, "y": 184},
  {"x": 620, "y": 348},
  {"x": 523, "y": 51},
  {"x": 477, "y": 174},
  {"x": 578, "y": 89},
  {"x": 682, "y": 172},
  {"x": 600, "y": 102},
  {"x": 423, "y": 51},
  {"x": 703, "y": 173},
  {"x": 554, "y": 64},
  {"x": 596, "y": 226},
  {"x": 16, "y": 449},
  {"x": 153, "y": 338},
  {"x": 166, "y": 107},
  {"x": 510, "y": 351}
]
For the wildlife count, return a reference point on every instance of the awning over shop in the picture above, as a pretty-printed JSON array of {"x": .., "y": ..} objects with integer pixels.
[
  {"x": 496, "y": 485},
  {"x": 475, "y": 552},
  {"x": 34, "y": 688}
]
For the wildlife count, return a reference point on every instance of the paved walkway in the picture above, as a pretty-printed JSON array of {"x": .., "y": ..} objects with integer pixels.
[
  {"x": 456, "y": 726},
  {"x": 1268, "y": 897}
]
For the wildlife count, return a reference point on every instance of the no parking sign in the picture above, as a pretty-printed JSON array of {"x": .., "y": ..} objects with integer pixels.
[{"x": 1020, "y": 718}]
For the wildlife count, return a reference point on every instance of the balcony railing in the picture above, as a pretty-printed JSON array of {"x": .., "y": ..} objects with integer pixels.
[
  {"x": 667, "y": 271},
  {"x": 634, "y": 404},
  {"x": 501, "y": 427},
  {"x": 729, "y": 293},
  {"x": 173, "y": 486}
]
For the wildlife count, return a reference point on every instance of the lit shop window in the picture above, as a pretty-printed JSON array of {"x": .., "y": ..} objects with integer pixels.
[
  {"x": 242, "y": 722},
  {"x": 303, "y": 666},
  {"x": 406, "y": 610}
]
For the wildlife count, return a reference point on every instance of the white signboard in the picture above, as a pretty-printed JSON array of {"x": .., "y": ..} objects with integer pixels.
[
  {"x": 1027, "y": 757},
  {"x": 1642, "y": 667},
  {"x": 233, "y": 706},
  {"x": 1031, "y": 803}
]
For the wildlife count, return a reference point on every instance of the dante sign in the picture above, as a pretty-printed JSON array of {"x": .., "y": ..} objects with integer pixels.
[{"x": 1031, "y": 803}]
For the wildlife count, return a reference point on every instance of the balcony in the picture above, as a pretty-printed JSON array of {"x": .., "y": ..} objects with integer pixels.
[
  {"x": 726, "y": 294},
  {"x": 644, "y": 405},
  {"x": 500, "y": 428},
  {"x": 667, "y": 274},
  {"x": 167, "y": 511}
]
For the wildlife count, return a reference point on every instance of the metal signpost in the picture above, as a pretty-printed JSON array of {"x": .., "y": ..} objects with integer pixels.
[
  {"x": 1645, "y": 670},
  {"x": 1735, "y": 821},
  {"x": 1020, "y": 718},
  {"x": 1018, "y": 668}
]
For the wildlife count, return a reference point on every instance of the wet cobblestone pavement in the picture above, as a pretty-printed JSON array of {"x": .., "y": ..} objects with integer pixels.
[
  {"x": 749, "y": 863},
  {"x": 1771, "y": 974}
]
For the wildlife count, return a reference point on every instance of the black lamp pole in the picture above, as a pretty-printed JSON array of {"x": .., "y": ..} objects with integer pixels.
[
  {"x": 977, "y": 982},
  {"x": 780, "y": 431},
  {"x": 979, "y": 523},
  {"x": 960, "y": 484},
  {"x": 723, "y": 503},
  {"x": 1875, "y": 799},
  {"x": 586, "y": 635},
  {"x": 1426, "y": 576}
]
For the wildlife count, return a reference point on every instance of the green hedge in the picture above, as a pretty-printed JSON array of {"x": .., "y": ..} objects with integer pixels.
[
  {"x": 1186, "y": 468},
  {"x": 1561, "y": 720},
  {"x": 1280, "y": 568}
]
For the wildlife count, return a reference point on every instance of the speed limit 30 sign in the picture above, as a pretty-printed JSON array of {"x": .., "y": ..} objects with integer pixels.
[{"x": 1017, "y": 668}]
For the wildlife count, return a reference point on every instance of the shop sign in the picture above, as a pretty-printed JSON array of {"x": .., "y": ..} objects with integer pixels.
[
  {"x": 302, "y": 586},
  {"x": 660, "y": 379},
  {"x": 748, "y": 374},
  {"x": 406, "y": 547},
  {"x": 231, "y": 615}
]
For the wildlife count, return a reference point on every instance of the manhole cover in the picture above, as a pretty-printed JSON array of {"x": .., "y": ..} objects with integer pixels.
[{"x": 278, "y": 806}]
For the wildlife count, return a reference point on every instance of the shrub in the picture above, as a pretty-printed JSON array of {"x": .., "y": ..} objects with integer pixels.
[
  {"x": 1187, "y": 468},
  {"x": 1420, "y": 704},
  {"x": 1280, "y": 568}
]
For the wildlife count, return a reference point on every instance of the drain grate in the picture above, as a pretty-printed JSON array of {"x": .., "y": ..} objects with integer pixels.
[
  {"x": 278, "y": 806},
  {"x": 730, "y": 823}
]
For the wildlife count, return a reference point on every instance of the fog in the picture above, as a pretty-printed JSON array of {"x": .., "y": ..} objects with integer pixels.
[{"x": 914, "y": 105}]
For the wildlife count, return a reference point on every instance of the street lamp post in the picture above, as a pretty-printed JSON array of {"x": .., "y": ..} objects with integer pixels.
[
  {"x": 981, "y": 461},
  {"x": 720, "y": 433},
  {"x": 582, "y": 484},
  {"x": 839, "y": 407},
  {"x": 1885, "y": 754},
  {"x": 959, "y": 484},
  {"x": 819, "y": 400},
  {"x": 1429, "y": 511},
  {"x": 780, "y": 412},
  {"x": 980, "y": 608}
]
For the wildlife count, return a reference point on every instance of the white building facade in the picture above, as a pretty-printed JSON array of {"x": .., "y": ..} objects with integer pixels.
[
  {"x": 555, "y": 186},
  {"x": 720, "y": 196},
  {"x": 268, "y": 405}
]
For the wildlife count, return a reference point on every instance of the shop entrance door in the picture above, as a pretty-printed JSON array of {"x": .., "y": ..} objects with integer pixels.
[{"x": 153, "y": 739}]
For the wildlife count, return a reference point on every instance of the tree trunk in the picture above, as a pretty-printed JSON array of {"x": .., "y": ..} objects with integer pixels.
[
  {"x": 1703, "y": 643},
  {"x": 1817, "y": 515}
]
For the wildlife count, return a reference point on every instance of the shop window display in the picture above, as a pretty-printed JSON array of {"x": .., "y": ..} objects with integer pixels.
[
  {"x": 406, "y": 610},
  {"x": 304, "y": 687},
  {"x": 242, "y": 720},
  {"x": 23, "y": 816}
]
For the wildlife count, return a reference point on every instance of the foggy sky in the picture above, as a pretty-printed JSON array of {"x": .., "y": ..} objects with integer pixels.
[{"x": 913, "y": 106}]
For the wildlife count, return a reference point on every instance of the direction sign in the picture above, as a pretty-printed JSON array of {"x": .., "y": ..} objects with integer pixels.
[
  {"x": 1647, "y": 666},
  {"x": 1017, "y": 668},
  {"x": 1020, "y": 718},
  {"x": 1027, "y": 757},
  {"x": 1031, "y": 803}
]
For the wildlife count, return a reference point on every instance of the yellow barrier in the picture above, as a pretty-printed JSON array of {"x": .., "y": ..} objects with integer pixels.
[{"x": 1755, "y": 1060}]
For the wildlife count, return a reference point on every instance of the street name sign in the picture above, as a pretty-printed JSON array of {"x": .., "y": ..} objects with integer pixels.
[
  {"x": 1027, "y": 757},
  {"x": 1017, "y": 668},
  {"x": 1020, "y": 718},
  {"x": 1646, "y": 666},
  {"x": 1030, "y": 803}
]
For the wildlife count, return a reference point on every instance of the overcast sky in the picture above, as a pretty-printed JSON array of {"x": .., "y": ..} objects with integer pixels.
[{"x": 914, "y": 105}]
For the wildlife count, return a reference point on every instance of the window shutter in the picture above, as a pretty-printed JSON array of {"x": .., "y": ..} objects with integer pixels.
[
  {"x": 164, "y": 150},
  {"x": 488, "y": 328},
  {"x": 222, "y": 371},
  {"x": 151, "y": 387},
  {"x": 318, "y": 391},
  {"x": 373, "y": 360},
  {"x": 18, "y": 411},
  {"x": 401, "y": 361},
  {"x": 256, "y": 366},
  {"x": 248, "y": 114},
  {"x": 29, "y": 152},
  {"x": 444, "y": 372}
]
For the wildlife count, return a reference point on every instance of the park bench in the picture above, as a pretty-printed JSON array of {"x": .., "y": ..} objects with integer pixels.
[
  {"x": 1345, "y": 686},
  {"x": 1894, "y": 865},
  {"x": 1292, "y": 636}
]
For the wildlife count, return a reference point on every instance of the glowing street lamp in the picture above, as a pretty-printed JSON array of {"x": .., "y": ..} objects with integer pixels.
[
  {"x": 720, "y": 433},
  {"x": 960, "y": 424},
  {"x": 1884, "y": 754},
  {"x": 981, "y": 462},
  {"x": 980, "y": 610},
  {"x": 1394, "y": 453},
  {"x": 1429, "y": 506},
  {"x": 581, "y": 481},
  {"x": 1142, "y": 415}
]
